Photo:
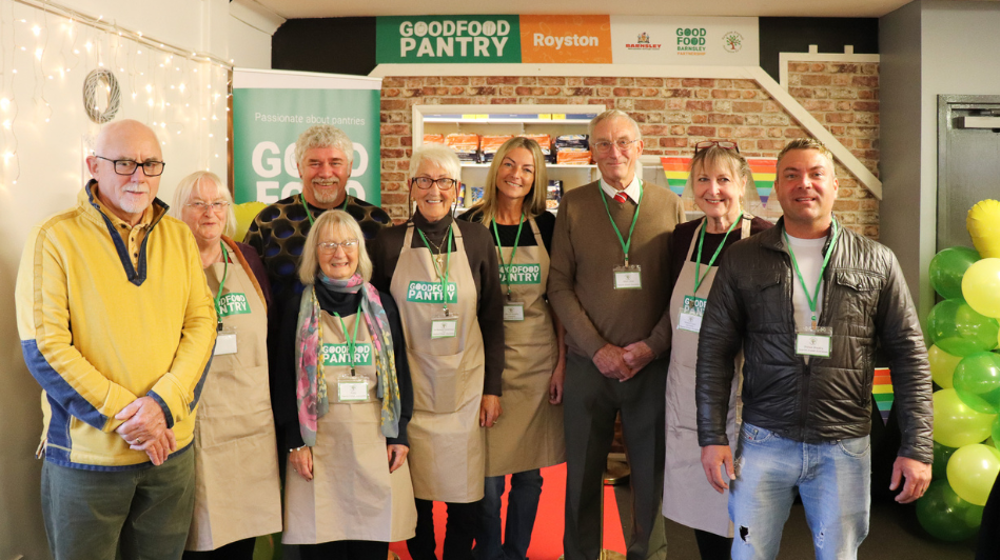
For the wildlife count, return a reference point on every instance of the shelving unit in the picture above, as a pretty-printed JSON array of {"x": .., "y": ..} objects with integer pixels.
[{"x": 554, "y": 120}]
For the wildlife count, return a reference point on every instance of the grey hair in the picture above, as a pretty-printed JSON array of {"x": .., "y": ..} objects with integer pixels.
[
  {"x": 323, "y": 136},
  {"x": 440, "y": 155},
  {"x": 336, "y": 220},
  {"x": 187, "y": 187},
  {"x": 613, "y": 114}
]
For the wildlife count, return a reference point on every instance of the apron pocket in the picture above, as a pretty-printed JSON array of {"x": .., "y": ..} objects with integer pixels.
[{"x": 438, "y": 384}]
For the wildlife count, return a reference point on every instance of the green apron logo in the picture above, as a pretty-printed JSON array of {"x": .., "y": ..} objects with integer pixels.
[
  {"x": 430, "y": 292},
  {"x": 233, "y": 304},
  {"x": 521, "y": 273},
  {"x": 337, "y": 355}
]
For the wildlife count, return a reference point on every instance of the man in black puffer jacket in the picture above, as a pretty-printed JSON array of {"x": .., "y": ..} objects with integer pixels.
[{"x": 808, "y": 302}]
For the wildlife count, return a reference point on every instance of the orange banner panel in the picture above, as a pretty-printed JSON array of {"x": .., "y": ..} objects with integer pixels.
[{"x": 566, "y": 39}]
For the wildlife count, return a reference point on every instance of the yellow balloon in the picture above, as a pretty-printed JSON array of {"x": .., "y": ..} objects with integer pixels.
[
  {"x": 956, "y": 424},
  {"x": 972, "y": 470},
  {"x": 943, "y": 365},
  {"x": 983, "y": 223},
  {"x": 981, "y": 287},
  {"x": 245, "y": 213}
]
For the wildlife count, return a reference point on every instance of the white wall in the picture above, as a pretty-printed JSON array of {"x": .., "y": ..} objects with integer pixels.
[
  {"x": 47, "y": 140},
  {"x": 935, "y": 47}
]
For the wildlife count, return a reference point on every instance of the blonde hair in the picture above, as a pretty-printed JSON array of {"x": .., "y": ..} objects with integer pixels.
[
  {"x": 535, "y": 205},
  {"x": 336, "y": 220},
  {"x": 716, "y": 157},
  {"x": 188, "y": 185}
]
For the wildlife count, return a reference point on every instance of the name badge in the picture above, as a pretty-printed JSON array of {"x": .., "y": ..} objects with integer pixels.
[
  {"x": 352, "y": 389},
  {"x": 446, "y": 327},
  {"x": 814, "y": 342},
  {"x": 692, "y": 311},
  {"x": 225, "y": 342},
  {"x": 513, "y": 311},
  {"x": 628, "y": 277}
]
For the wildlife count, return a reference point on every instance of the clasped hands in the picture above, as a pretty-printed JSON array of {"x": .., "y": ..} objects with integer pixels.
[
  {"x": 145, "y": 429},
  {"x": 616, "y": 362}
]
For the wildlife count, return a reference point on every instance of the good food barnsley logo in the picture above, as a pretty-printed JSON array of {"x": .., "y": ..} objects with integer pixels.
[
  {"x": 732, "y": 41},
  {"x": 691, "y": 40},
  {"x": 642, "y": 44}
]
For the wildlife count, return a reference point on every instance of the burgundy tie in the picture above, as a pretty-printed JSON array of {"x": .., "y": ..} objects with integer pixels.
[{"x": 621, "y": 196}]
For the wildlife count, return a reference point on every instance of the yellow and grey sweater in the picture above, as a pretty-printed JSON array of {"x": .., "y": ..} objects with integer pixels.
[{"x": 101, "y": 327}]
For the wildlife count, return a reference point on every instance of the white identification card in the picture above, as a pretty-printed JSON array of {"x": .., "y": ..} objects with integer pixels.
[
  {"x": 628, "y": 277},
  {"x": 513, "y": 311},
  {"x": 814, "y": 342},
  {"x": 446, "y": 327},
  {"x": 692, "y": 310},
  {"x": 352, "y": 389},
  {"x": 225, "y": 342}
]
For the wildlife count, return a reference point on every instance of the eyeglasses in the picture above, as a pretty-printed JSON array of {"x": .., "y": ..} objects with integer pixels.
[
  {"x": 217, "y": 206},
  {"x": 127, "y": 166},
  {"x": 604, "y": 146},
  {"x": 724, "y": 144},
  {"x": 424, "y": 183},
  {"x": 332, "y": 245}
]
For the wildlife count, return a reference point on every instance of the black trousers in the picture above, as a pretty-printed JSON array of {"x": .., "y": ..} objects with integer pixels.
[
  {"x": 591, "y": 403},
  {"x": 345, "y": 550},
  {"x": 239, "y": 550},
  {"x": 459, "y": 533}
]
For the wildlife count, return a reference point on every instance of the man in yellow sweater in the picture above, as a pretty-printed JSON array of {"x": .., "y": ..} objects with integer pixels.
[{"x": 118, "y": 327}]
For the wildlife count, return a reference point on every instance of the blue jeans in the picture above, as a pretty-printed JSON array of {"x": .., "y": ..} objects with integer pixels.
[
  {"x": 833, "y": 478},
  {"x": 522, "y": 505}
]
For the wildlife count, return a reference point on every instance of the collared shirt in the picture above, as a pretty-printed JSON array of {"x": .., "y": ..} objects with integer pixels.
[
  {"x": 632, "y": 190},
  {"x": 132, "y": 235}
]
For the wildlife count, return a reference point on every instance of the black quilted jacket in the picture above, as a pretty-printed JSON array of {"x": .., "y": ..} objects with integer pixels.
[{"x": 865, "y": 301}]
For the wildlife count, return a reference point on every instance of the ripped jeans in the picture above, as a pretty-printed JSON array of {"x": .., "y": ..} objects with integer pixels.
[{"x": 833, "y": 478}]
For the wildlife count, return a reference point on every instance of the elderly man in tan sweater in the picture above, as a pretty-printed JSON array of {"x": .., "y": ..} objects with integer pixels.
[{"x": 609, "y": 285}]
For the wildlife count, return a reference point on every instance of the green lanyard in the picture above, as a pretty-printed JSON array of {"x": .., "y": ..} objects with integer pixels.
[
  {"x": 701, "y": 241},
  {"x": 512, "y": 253},
  {"x": 625, "y": 243},
  {"x": 447, "y": 265},
  {"x": 352, "y": 340},
  {"x": 309, "y": 214},
  {"x": 222, "y": 284},
  {"x": 814, "y": 298}
]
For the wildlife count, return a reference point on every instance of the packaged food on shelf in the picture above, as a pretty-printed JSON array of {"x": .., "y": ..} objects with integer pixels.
[
  {"x": 572, "y": 141},
  {"x": 489, "y": 144},
  {"x": 466, "y": 146},
  {"x": 573, "y": 156},
  {"x": 433, "y": 138},
  {"x": 475, "y": 194},
  {"x": 460, "y": 197},
  {"x": 554, "y": 193}
]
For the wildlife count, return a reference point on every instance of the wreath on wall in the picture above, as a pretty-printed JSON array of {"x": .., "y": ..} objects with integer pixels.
[{"x": 101, "y": 78}]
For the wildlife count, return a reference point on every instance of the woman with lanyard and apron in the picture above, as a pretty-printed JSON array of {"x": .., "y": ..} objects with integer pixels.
[
  {"x": 531, "y": 436},
  {"x": 343, "y": 397},
  {"x": 722, "y": 187},
  {"x": 233, "y": 506},
  {"x": 445, "y": 279}
]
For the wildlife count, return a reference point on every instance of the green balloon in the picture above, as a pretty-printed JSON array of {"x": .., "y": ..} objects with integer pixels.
[
  {"x": 941, "y": 455},
  {"x": 947, "y": 269},
  {"x": 977, "y": 382},
  {"x": 958, "y": 330},
  {"x": 946, "y": 516}
]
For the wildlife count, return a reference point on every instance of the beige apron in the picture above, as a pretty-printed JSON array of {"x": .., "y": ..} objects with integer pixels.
[
  {"x": 352, "y": 495},
  {"x": 530, "y": 432},
  {"x": 237, "y": 492},
  {"x": 447, "y": 445},
  {"x": 688, "y": 498}
]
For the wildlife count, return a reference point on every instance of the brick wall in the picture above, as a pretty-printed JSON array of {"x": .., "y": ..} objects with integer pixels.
[{"x": 674, "y": 114}]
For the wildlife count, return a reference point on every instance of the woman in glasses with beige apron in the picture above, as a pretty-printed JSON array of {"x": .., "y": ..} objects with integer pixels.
[
  {"x": 721, "y": 185},
  {"x": 343, "y": 399},
  {"x": 237, "y": 494},
  {"x": 531, "y": 434},
  {"x": 445, "y": 279}
]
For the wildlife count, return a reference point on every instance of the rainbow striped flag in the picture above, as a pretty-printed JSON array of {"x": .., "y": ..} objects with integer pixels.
[
  {"x": 676, "y": 170},
  {"x": 882, "y": 392}
]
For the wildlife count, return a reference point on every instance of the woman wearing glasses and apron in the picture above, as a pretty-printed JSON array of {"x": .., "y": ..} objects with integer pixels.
[
  {"x": 722, "y": 187},
  {"x": 445, "y": 279},
  {"x": 531, "y": 435}
]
